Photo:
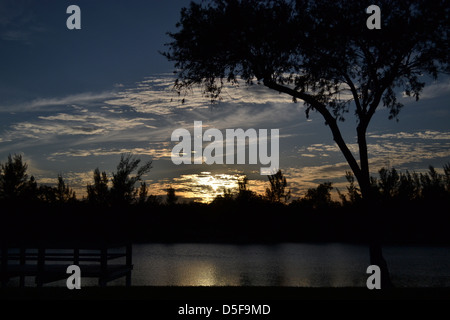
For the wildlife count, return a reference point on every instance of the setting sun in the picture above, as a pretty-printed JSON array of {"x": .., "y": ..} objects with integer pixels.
[{"x": 205, "y": 186}]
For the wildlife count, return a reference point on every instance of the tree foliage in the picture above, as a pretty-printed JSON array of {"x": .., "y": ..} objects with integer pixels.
[
  {"x": 98, "y": 193},
  {"x": 14, "y": 182},
  {"x": 320, "y": 52},
  {"x": 123, "y": 182},
  {"x": 277, "y": 188},
  {"x": 171, "y": 197},
  {"x": 318, "y": 198},
  {"x": 63, "y": 193}
]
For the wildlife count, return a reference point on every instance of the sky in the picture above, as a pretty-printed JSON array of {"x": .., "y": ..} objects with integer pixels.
[{"x": 75, "y": 100}]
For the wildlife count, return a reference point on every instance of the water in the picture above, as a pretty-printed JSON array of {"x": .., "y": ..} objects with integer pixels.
[
  {"x": 249, "y": 265},
  {"x": 299, "y": 265},
  {"x": 289, "y": 264}
]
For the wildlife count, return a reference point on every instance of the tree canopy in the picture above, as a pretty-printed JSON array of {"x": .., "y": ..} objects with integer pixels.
[{"x": 320, "y": 52}]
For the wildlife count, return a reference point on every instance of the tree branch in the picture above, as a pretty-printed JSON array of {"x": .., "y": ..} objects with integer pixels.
[
  {"x": 354, "y": 93},
  {"x": 330, "y": 121}
]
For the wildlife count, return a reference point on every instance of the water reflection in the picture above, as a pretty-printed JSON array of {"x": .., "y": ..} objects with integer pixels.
[
  {"x": 251, "y": 265},
  {"x": 298, "y": 265}
]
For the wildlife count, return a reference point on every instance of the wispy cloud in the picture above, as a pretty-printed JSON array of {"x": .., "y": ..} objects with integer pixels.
[
  {"x": 428, "y": 134},
  {"x": 155, "y": 95},
  {"x": 384, "y": 151},
  {"x": 141, "y": 118},
  {"x": 434, "y": 90},
  {"x": 156, "y": 154},
  {"x": 48, "y": 103},
  {"x": 77, "y": 123}
]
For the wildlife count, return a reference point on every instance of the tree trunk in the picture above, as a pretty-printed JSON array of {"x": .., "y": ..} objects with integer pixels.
[
  {"x": 361, "y": 171},
  {"x": 374, "y": 227},
  {"x": 373, "y": 212},
  {"x": 376, "y": 258}
]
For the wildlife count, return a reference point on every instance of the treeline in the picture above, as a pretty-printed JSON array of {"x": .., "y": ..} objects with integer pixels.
[
  {"x": 390, "y": 187},
  {"x": 407, "y": 207},
  {"x": 17, "y": 187}
]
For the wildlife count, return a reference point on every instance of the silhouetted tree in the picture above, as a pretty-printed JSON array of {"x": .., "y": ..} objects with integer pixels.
[
  {"x": 277, "y": 191},
  {"x": 63, "y": 192},
  {"x": 320, "y": 197},
  {"x": 447, "y": 177},
  {"x": 31, "y": 190},
  {"x": 244, "y": 195},
  {"x": 142, "y": 195},
  {"x": 47, "y": 194},
  {"x": 353, "y": 192},
  {"x": 317, "y": 51},
  {"x": 14, "y": 182},
  {"x": 123, "y": 190},
  {"x": 227, "y": 194},
  {"x": 171, "y": 197},
  {"x": 98, "y": 193},
  {"x": 389, "y": 183},
  {"x": 409, "y": 187},
  {"x": 154, "y": 200},
  {"x": 433, "y": 185}
]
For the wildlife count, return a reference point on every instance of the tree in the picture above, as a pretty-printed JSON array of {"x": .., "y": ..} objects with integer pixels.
[
  {"x": 354, "y": 194},
  {"x": 447, "y": 177},
  {"x": 63, "y": 192},
  {"x": 433, "y": 184},
  {"x": 389, "y": 183},
  {"x": 320, "y": 52},
  {"x": 171, "y": 197},
  {"x": 277, "y": 190},
  {"x": 320, "y": 197},
  {"x": 98, "y": 193},
  {"x": 123, "y": 190},
  {"x": 47, "y": 194},
  {"x": 142, "y": 194},
  {"x": 14, "y": 182},
  {"x": 244, "y": 194}
]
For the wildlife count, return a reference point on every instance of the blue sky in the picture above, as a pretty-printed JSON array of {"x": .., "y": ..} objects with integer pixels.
[{"x": 74, "y": 100}]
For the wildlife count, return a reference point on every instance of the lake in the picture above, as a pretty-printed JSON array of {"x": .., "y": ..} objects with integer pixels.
[{"x": 287, "y": 264}]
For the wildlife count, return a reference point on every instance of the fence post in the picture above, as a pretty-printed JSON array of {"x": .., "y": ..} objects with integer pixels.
[
  {"x": 4, "y": 267},
  {"x": 22, "y": 267},
  {"x": 41, "y": 263},
  {"x": 129, "y": 255},
  {"x": 103, "y": 267}
]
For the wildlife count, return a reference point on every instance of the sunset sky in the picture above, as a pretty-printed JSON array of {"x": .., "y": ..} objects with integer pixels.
[{"x": 74, "y": 100}]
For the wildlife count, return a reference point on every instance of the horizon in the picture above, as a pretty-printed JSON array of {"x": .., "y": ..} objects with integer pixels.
[{"x": 74, "y": 100}]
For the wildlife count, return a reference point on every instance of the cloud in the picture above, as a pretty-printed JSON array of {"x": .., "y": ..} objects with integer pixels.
[
  {"x": 155, "y": 95},
  {"x": 40, "y": 130},
  {"x": 45, "y": 103},
  {"x": 436, "y": 89},
  {"x": 156, "y": 154},
  {"x": 428, "y": 134},
  {"x": 382, "y": 153},
  {"x": 77, "y": 123},
  {"x": 403, "y": 150},
  {"x": 140, "y": 119}
]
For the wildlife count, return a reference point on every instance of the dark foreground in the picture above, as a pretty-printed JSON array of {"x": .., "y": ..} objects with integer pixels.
[
  {"x": 222, "y": 293},
  {"x": 224, "y": 302}
]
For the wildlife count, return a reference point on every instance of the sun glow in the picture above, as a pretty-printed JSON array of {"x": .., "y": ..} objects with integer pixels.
[{"x": 204, "y": 186}]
